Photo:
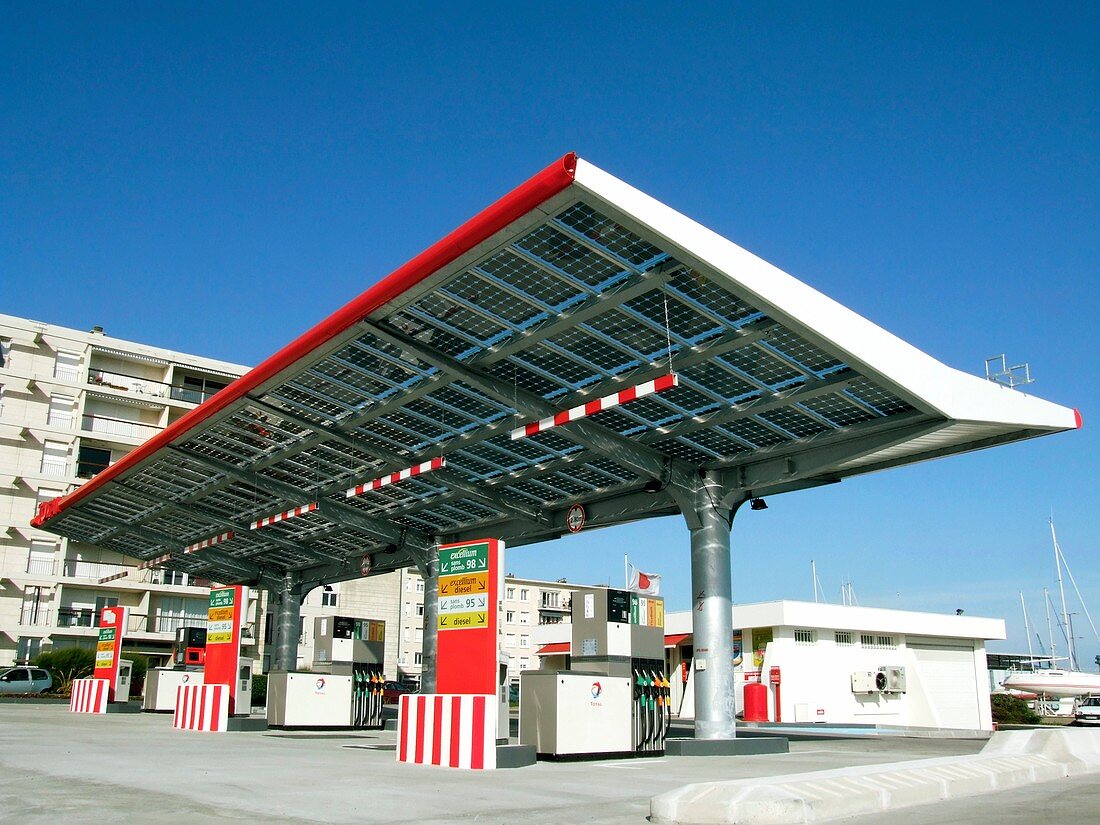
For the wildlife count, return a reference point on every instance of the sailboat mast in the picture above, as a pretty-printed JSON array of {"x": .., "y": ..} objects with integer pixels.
[
  {"x": 1062, "y": 592},
  {"x": 1027, "y": 630},
  {"x": 1050, "y": 630}
]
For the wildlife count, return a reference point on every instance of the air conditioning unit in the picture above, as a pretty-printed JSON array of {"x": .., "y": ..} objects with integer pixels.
[
  {"x": 895, "y": 679},
  {"x": 863, "y": 681}
]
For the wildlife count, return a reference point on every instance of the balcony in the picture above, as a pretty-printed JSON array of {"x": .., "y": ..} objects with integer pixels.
[
  {"x": 75, "y": 617},
  {"x": 55, "y": 467},
  {"x": 34, "y": 615},
  {"x": 41, "y": 567},
  {"x": 118, "y": 427},
  {"x": 146, "y": 387},
  {"x": 94, "y": 571},
  {"x": 163, "y": 624}
]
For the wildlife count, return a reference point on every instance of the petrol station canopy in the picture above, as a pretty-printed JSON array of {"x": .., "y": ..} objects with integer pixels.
[{"x": 577, "y": 342}]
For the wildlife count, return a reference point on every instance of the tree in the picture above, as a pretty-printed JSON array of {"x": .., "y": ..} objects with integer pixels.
[
  {"x": 1009, "y": 710},
  {"x": 66, "y": 664}
]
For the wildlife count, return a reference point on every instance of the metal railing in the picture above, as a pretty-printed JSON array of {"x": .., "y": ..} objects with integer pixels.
[
  {"x": 57, "y": 467},
  {"x": 170, "y": 622},
  {"x": 41, "y": 567},
  {"x": 117, "y": 426},
  {"x": 77, "y": 569},
  {"x": 66, "y": 372},
  {"x": 75, "y": 617},
  {"x": 128, "y": 383},
  {"x": 33, "y": 615},
  {"x": 63, "y": 421}
]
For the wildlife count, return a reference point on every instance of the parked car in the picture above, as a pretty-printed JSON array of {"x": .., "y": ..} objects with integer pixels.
[
  {"x": 1088, "y": 711},
  {"x": 25, "y": 680},
  {"x": 392, "y": 691}
]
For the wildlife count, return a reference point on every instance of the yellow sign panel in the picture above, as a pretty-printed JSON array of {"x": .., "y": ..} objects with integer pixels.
[
  {"x": 220, "y": 614},
  {"x": 463, "y": 621},
  {"x": 219, "y": 638},
  {"x": 658, "y": 612},
  {"x": 105, "y": 645},
  {"x": 376, "y": 631},
  {"x": 466, "y": 584}
]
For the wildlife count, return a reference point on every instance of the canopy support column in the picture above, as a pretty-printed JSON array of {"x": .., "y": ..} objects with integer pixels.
[
  {"x": 427, "y": 561},
  {"x": 288, "y": 602},
  {"x": 710, "y": 523}
]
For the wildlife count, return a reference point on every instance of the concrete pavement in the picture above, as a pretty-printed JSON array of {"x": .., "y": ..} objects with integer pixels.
[{"x": 57, "y": 766}]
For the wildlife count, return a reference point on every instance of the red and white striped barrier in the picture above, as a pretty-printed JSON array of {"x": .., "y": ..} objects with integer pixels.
[
  {"x": 89, "y": 696},
  {"x": 449, "y": 730},
  {"x": 201, "y": 707},
  {"x": 393, "y": 478},
  {"x": 145, "y": 565},
  {"x": 665, "y": 382},
  {"x": 106, "y": 579},
  {"x": 210, "y": 542},
  {"x": 291, "y": 513}
]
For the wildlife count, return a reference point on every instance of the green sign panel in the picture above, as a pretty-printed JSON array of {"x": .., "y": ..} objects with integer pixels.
[
  {"x": 107, "y": 634},
  {"x": 221, "y": 598},
  {"x": 469, "y": 559},
  {"x": 634, "y": 608}
]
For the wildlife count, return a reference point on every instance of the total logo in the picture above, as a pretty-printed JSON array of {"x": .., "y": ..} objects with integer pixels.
[
  {"x": 186, "y": 678},
  {"x": 320, "y": 684},
  {"x": 597, "y": 689}
]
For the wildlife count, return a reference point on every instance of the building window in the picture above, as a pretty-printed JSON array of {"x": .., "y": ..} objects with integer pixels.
[
  {"x": 509, "y": 639},
  {"x": 804, "y": 637},
  {"x": 524, "y": 662},
  {"x": 550, "y": 598},
  {"x": 27, "y": 648},
  {"x": 91, "y": 460},
  {"x": 60, "y": 414},
  {"x": 419, "y": 585},
  {"x": 420, "y": 610},
  {"x": 269, "y": 629},
  {"x": 843, "y": 637},
  {"x": 55, "y": 458},
  {"x": 301, "y": 630},
  {"x": 877, "y": 642},
  {"x": 418, "y": 658},
  {"x": 866, "y": 640},
  {"x": 884, "y": 641},
  {"x": 419, "y": 635},
  {"x": 524, "y": 617},
  {"x": 5, "y": 352},
  {"x": 523, "y": 594},
  {"x": 525, "y": 641},
  {"x": 407, "y": 633},
  {"x": 509, "y": 616},
  {"x": 328, "y": 599},
  {"x": 67, "y": 366},
  {"x": 509, "y": 592}
]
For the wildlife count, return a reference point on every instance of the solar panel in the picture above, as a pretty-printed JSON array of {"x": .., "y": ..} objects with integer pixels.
[{"x": 579, "y": 300}]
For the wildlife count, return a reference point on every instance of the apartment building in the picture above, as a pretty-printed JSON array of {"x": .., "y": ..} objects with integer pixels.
[
  {"x": 72, "y": 403},
  {"x": 527, "y": 604}
]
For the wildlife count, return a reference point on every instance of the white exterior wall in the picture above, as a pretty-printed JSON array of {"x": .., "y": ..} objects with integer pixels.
[{"x": 121, "y": 394}]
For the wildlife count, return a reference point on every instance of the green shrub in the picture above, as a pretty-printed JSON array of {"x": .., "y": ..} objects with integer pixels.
[
  {"x": 1009, "y": 710},
  {"x": 259, "y": 689},
  {"x": 66, "y": 664},
  {"x": 137, "y": 673}
]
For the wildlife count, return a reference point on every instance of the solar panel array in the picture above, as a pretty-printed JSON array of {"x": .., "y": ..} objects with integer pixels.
[{"x": 576, "y": 307}]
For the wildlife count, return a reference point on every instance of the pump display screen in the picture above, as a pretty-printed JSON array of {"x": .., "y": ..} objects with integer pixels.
[{"x": 618, "y": 606}]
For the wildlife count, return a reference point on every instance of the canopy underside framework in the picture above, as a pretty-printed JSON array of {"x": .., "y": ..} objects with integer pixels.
[{"x": 569, "y": 301}]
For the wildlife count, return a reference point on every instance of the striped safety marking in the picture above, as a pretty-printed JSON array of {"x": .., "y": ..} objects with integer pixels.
[
  {"x": 665, "y": 382},
  {"x": 448, "y": 730},
  {"x": 145, "y": 565},
  {"x": 295, "y": 511},
  {"x": 106, "y": 579},
  {"x": 89, "y": 696},
  {"x": 393, "y": 478},
  {"x": 201, "y": 707},
  {"x": 210, "y": 542}
]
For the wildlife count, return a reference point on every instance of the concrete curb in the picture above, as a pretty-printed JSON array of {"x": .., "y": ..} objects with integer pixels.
[{"x": 1010, "y": 759}]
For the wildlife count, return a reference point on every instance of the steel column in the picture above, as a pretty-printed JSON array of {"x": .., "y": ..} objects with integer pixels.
[
  {"x": 712, "y": 615},
  {"x": 428, "y": 563},
  {"x": 288, "y": 603}
]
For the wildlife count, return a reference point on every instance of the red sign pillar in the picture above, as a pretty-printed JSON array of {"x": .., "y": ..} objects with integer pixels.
[
  {"x": 773, "y": 676},
  {"x": 223, "y": 640},
  {"x": 112, "y": 627},
  {"x": 470, "y": 584}
]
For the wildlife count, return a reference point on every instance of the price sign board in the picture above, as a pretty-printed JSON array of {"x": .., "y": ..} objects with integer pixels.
[
  {"x": 112, "y": 627},
  {"x": 223, "y": 639},
  {"x": 467, "y": 623}
]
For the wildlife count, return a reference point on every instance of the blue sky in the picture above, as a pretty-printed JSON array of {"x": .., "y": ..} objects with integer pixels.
[{"x": 218, "y": 180}]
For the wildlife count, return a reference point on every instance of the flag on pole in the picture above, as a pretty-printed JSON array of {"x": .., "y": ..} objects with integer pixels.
[{"x": 648, "y": 583}]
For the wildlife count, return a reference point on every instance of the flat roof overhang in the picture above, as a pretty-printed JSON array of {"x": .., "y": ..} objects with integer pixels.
[{"x": 573, "y": 287}]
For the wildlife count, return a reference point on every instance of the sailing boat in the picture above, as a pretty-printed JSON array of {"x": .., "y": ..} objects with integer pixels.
[{"x": 1058, "y": 683}]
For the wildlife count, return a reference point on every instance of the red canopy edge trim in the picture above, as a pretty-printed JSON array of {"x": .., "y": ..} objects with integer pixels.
[
  {"x": 673, "y": 639},
  {"x": 517, "y": 203}
]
